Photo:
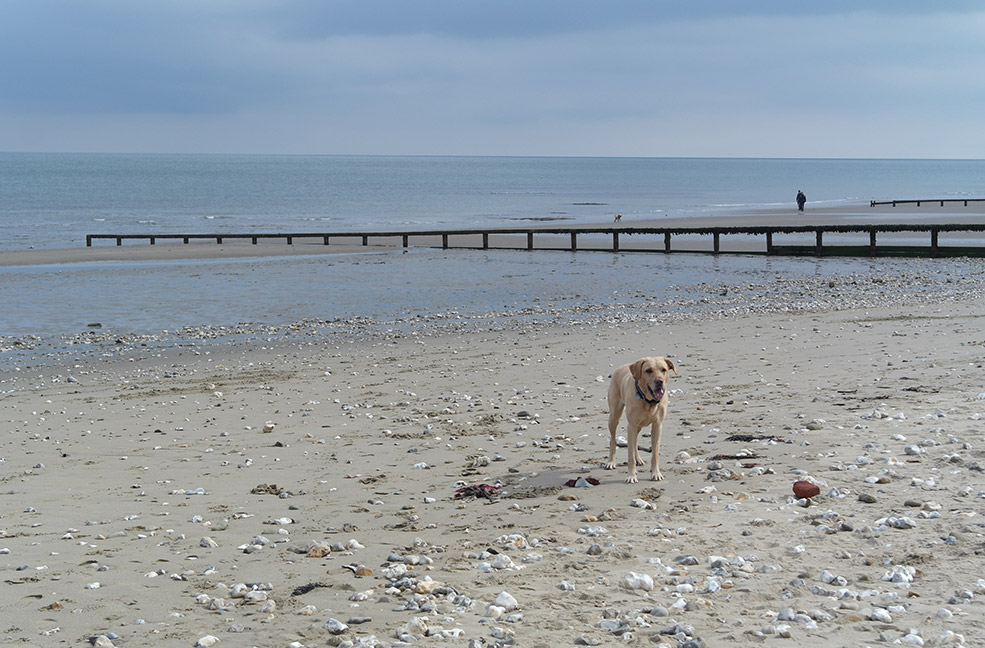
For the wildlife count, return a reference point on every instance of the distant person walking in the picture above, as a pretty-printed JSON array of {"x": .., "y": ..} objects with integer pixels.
[{"x": 801, "y": 200}]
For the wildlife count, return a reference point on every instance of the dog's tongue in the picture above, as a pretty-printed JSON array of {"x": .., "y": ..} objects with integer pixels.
[{"x": 658, "y": 394}]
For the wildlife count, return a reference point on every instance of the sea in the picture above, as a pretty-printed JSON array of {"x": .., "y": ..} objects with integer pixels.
[{"x": 50, "y": 200}]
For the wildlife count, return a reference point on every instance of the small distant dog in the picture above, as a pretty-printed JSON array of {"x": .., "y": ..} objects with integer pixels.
[
  {"x": 617, "y": 219},
  {"x": 640, "y": 389}
]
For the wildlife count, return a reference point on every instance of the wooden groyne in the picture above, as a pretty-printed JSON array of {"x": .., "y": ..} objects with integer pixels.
[
  {"x": 873, "y": 203},
  {"x": 614, "y": 239}
]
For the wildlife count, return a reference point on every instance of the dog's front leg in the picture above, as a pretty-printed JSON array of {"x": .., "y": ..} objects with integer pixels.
[
  {"x": 614, "y": 415},
  {"x": 633, "y": 435},
  {"x": 611, "y": 465},
  {"x": 655, "y": 431}
]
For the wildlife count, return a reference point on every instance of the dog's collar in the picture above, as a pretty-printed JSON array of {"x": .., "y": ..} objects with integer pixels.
[{"x": 639, "y": 394}]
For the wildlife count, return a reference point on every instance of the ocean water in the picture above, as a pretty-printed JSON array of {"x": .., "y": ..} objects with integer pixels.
[
  {"x": 53, "y": 201},
  {"x": 150, "y": 296}
]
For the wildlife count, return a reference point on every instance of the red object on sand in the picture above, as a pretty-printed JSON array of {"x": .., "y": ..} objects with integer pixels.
[{"x": 805, "y": 489}]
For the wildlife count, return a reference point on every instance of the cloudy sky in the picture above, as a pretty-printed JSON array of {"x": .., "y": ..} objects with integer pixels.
[{"x": 750, "y": 78}]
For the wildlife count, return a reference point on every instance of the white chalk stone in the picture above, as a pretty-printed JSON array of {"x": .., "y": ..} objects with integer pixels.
[
  {"x": 507, "y": 601},
  {"x": 335, "y": 626},
  {"x": 635, "y": 581},
  {"x": 881, "y": 615}
]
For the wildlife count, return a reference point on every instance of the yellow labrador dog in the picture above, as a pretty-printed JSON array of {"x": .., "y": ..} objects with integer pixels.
[{"x": 640, "y": 389}]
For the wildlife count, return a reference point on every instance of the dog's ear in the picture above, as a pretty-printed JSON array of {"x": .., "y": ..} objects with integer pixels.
[
  {"x": 637, "y": 369},
  {"x": 670, "y": 365}
]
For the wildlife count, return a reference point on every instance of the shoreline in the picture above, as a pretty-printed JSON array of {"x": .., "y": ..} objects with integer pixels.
[{"x": 735, "y": 286}]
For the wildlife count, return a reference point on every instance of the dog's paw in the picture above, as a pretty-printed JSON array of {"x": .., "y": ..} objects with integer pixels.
[
  {"x": 640, "y": 462},
  {"x": 657, "y": 476},
  {"x": 611, "y": 465},
  {"x": 631, "y": 479}
]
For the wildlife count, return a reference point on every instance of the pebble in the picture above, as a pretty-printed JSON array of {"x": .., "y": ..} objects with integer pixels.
[
  {"x": 101, "y": 641},
  {"x": 880, "y": 614},
  {"x": 507, "y": 601},
  {"x": 636, "y": 581},
  {"x": 335, "y": 626},
  {"x": 897, "y": 522}
]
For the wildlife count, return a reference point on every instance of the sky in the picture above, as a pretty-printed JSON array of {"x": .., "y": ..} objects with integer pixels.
[{"x": 647, "y": 78}]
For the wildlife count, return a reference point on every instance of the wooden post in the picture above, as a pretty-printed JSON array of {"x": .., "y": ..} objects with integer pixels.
[
  {"x": 530, "y": 240},
  {"x": 666, "y": 242},
  {"x": 325, "y": 240},
  {"x": 153, "y": 240},
  {"x": 574, "y": 241},
  {"x": 406, "y": 240},
  {"x": 872, "y": 242},
  {"x": 218, "y": 240},
  {"x": 444, "y": 241},
  {"x": 717, "y": 248},
  {"x": 365, "y": 240},
  {"x": 485, "y": 240},
  {"x": 818, "y": 242},
  {"x": 186, "y": 240},
  {"x": 254, "y": 240},
  {"x": 934, "y": 250},
  {"x": 769, "y": 242},
  {"x": 119, "y": 240},
  {"x": 88, "y": 240},
  {"x": 290, "y": 240},
  {"x": 615, "y": 241}
]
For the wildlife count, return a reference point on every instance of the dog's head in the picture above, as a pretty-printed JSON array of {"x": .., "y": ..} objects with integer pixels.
[{"x": 652, "y": 374}]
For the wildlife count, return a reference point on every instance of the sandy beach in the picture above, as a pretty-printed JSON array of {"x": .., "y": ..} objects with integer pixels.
[{"x": 412, "y": 489}]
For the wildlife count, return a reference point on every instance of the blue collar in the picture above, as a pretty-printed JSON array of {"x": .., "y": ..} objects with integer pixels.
[{"x": 639, "y": 394}]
